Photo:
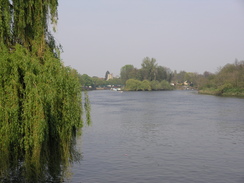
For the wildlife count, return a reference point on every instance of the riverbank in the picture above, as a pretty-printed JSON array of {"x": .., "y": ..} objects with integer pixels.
[{"x": 233, "y": 92}]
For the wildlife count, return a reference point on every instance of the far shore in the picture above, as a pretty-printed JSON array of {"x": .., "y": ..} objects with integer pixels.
[{"x": 227, "y": 93}]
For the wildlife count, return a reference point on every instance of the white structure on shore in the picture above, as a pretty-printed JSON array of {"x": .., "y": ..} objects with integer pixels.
[{"x": 109, "y": 76}]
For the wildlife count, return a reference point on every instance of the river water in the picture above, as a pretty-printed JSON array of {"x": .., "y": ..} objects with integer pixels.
[{"x": 164, "y": 136}]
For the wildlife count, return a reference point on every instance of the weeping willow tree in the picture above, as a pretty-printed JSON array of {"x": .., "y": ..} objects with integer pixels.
[
  {"x": 40, "y": 99},
  {"x": 27, "y": 23}
]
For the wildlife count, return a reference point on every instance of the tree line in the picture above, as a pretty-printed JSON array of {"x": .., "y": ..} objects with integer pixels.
[
  {"x": 150, "y": 76},
  {"x": 228, "y": 80},
  {"x": 88, "y": 82}
]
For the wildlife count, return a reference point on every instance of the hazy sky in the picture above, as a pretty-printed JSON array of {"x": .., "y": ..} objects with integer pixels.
[{"x": 189, "y": 35}]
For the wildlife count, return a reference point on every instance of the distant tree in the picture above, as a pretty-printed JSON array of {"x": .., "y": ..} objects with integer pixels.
[
  {"x": 231, "y": 74},
  {"x": 114, "y": 81},
  {"x": 207, "y": 74},
  {"x": 127, "y": 72},
  {"x": 240, "y": 69},
  {"x": 170, "y": 74},
  {"x": 106, "y": 75},
  {"x": 137, "y": 74},
  {"x": 164, "y": 73},
  {"x": 161, "y": 73},
  {"x": 181, "y": 77},
  {"x": 86, "y": 80},
  {"x": 149, "y": 69},
  {"x": 98, "y": 81}
]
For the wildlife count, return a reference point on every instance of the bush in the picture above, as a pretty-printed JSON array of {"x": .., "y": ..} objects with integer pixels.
[
  {"x": 133, "y": 85},
  {"x": 164, "y": 85},
  {"x": 155, "y": 85},
  {"x": 145, "y": 85}
]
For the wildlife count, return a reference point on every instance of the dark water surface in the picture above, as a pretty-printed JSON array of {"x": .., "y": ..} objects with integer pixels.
[{"x": 167, "y": 136}]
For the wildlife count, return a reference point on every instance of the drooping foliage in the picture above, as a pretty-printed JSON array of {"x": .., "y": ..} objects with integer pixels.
[
  {"x": 40, "y": 113},
  {"x": 27, "y": 23},
  {"x": 87, "y": 107},
  {"x": 40, "y": 99}
]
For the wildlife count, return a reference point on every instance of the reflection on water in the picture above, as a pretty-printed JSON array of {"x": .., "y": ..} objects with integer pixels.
[
  {"x": 54, "y": 164},
  {"x": 168, "y": 136}
]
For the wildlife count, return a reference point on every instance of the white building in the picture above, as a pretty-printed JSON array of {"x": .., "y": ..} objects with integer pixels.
[{"x": 110, "y": 76}]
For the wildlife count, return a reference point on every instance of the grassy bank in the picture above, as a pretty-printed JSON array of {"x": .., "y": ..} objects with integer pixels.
[{"x": 235, "y": 92}]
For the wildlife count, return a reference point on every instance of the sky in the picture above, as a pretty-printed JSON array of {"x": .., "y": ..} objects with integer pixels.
[{"x": 183, "y": 35}]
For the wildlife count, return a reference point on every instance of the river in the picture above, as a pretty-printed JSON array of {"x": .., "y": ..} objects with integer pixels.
[{"x": 163, "y": 136}]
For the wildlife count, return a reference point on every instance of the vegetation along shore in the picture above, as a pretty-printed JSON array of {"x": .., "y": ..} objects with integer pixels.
[{"x": 227, "y": 81}]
